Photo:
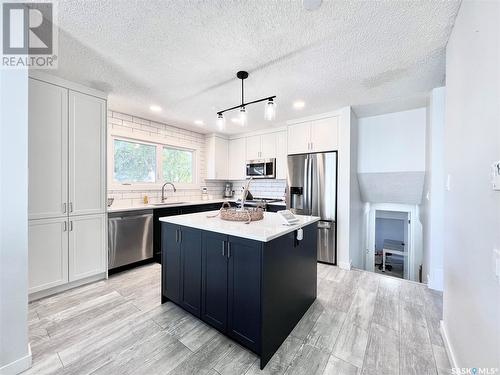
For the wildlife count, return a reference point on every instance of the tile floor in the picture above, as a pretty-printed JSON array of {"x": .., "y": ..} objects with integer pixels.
[{"x": 361, "y": 323}]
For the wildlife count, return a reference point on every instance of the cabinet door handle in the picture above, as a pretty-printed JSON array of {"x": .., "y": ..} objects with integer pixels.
[
  {"x": 228, "y": 249},
  {"x": 177, "y": 235},
  {"x": 64, "y": 207},
  {"x": 180, "y": 235},
  {"x": 71, "y": 226},
  {"x": 70, "y": 206},
  {"x": 223, "y": 248},
  {"x": 65, "y": 226}
]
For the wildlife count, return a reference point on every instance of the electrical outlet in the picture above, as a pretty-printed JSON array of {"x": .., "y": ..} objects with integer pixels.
[{"x": 495, "y": 175}]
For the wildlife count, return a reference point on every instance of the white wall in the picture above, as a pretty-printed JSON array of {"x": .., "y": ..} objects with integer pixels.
[
  {"x": 471, "y": 320},
  {"x": 388, "y": 229},
  {"x": 394, "y": 142},
  {"x": 356, "y": 214},
  {"x": 344, "y": 189},
  {"x": 433, "y": 202},
  {"x": 391, "y": 157},
  {"x": 14, "y": 351}
]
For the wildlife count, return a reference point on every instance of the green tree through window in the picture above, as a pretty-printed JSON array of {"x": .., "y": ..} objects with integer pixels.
[
  {"x": 177, "y": 165},
  {"x": 134, "y": 162}
]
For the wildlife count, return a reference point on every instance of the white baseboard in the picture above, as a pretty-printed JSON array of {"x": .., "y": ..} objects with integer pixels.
[
  {"x": 18, "y": 366},
  {"x": 61, "y": 288},
  {"x": 447, "y": 346},
  {"x": 344, "y": 265}
]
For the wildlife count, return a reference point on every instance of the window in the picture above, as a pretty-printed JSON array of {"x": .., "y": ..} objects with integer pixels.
[
  {"x": 177, "y": 165},
  {"x": 134, "y": 162},
  {"x": 139, "y": 163}
]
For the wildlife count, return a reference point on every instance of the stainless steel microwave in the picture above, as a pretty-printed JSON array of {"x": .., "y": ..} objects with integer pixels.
[{"x": 262, "y": 168}]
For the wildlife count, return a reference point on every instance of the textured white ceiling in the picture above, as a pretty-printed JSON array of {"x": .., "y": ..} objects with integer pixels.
[{"x": 183, "y": 55}]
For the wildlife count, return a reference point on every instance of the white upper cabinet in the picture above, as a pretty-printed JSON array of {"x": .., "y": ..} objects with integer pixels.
[
  {"x": 313, "y": 136},
  {"x": 253, "y": 147},
  {"x": 324, "y": 134},
  {"x": 299, "y": 138},
  {"x": 87, "y": 119},
  {"x": 281, "y": 155},
  {"x": 217, "y": 155},
  {"x": 237, "y": 159},
  {"x": 48, "y": 150},
  {"x": 86, "y": 246},
  {"x": 261, "y": 146},
  {"x": 268, "y": 146}
]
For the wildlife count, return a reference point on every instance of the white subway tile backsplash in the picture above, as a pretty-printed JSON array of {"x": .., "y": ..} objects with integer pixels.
[
  {"x": 114, "y": 121},
  {"x": 122, "y": 116},
  {"x": 136, "y": 125},
  {"x": 140, "y": 121}
]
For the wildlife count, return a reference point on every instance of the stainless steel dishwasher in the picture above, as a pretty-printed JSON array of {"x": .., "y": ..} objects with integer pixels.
[{"x": 130, "y": 237}]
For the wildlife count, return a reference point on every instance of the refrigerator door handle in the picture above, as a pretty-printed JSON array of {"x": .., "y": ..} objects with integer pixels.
[
  {"x": 310, "y": 185},
  {"x": 306, "y": 186}
]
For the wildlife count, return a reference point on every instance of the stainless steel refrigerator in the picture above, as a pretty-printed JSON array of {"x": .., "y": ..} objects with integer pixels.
[{"x": 312, "y": 190}]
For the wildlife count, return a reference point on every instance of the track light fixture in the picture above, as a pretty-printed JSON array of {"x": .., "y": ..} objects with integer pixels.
[{"x": 269, "y": 111}]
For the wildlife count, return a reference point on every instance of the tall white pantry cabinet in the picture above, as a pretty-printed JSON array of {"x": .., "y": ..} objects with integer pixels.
[{"x": 67, "y": 186}]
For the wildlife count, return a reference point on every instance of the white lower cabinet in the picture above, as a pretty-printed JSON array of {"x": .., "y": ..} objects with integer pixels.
[
  {"x": 48, "y": 253},
  {"x": 87, "y": 252},
  {"x": 66, "y": 249}
]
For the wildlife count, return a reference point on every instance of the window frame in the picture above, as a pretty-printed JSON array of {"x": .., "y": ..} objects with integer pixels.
[{"x": 159, "y": 145}]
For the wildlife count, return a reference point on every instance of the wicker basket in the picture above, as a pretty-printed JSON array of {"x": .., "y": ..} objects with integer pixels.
[{"x": 247, "y": 215}]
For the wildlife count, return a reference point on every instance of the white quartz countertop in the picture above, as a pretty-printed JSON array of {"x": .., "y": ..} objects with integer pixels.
[
  {"x": 167, "y": 204},
  {"x": 265, "y": 230}
]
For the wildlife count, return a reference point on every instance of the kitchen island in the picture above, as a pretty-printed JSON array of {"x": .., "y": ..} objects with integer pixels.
[{"x": 252, "y": 282}]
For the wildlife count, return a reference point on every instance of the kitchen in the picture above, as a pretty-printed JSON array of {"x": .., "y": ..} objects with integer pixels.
[{"x": 205, "y": 196}]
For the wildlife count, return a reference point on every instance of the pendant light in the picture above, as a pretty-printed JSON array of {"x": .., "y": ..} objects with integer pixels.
[
  {"x": 221, "y": 121},
  {"x": 243, "y": 116},
  {"x": 269, "y": 110}
]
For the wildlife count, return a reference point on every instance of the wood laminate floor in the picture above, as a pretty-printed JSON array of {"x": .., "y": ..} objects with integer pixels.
[{"x": 361, "y": 323}]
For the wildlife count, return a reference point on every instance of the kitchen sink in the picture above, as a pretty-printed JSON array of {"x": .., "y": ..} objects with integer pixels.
[{"x": 166, "y": 203}]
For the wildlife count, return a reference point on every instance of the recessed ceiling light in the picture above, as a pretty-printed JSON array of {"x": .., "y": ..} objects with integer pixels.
[
  {"x": 199, "y": 122},
  {"x": 299, "y": 104},
  {"x": 311, "y": 4},
  {"x": 155, "y": 108}
]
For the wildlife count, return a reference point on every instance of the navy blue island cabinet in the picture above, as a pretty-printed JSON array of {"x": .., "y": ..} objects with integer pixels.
[{"x": 254, "y": 292}]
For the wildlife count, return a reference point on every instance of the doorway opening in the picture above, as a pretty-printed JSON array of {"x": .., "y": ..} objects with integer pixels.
[
  {"x": 394, "y": 236},
  {"x": 391, "y": 243}
]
